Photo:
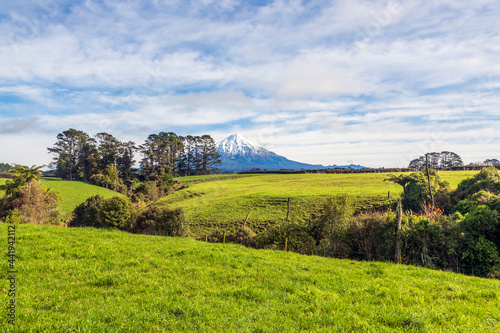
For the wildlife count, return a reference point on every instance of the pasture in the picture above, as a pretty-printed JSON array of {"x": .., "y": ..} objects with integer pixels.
[
  {"x": 226, "y": 203},
  {"x": 72, "y": 193},
  {"x": 101, "y": 280}
]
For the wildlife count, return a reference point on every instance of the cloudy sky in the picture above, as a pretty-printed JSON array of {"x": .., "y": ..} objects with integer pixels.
[{"x": 376, "y": 83}]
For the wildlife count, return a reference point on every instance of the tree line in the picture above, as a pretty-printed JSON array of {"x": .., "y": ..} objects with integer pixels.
[
  {"x": 444, "y": 159},
  {"x": 79, "y": 156}
]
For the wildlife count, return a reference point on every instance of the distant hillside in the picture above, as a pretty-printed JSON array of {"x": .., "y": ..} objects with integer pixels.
[
  {"x": 238, "y": 154},
  {"x": 225, "y": 204}
]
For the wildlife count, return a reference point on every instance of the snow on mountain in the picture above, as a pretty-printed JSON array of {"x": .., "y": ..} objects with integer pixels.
[
  {"x": 236, "y": 144},
  {"x": 238, "y": 154}
]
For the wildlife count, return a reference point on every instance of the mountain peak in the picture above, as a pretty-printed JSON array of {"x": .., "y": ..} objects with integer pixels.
[
  {"x": 236, "y": 144},
  {"x": 238, "y": 154},
  {"x": 235, "y": 136}
]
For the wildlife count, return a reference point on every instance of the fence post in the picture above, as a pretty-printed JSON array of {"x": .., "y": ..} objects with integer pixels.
[
  {"x": 288, "y": 209},
  {"x": 397, "y": 241}
]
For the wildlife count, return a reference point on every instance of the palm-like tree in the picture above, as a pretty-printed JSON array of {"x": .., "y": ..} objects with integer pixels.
[
  {"x": 402, "y": 180},
  {"x": 28, "y": 175},
  {"x": 23, "y": 176}
]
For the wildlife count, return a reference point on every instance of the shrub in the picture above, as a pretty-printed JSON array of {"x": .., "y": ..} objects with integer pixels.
[
  {"x": 116, "y": 212},
  {"x": 331, "y": 228},
  {"x": 477, "y": 199},
  {"x": 98, "y": 212},
  {"x": 292, "y": 237},
  {"x": 488, "y": 179},
  {"x": 163, "y": 222},
  {"x": 32, "y": 204},
  {"x": 481, "y": 221},
  {"x": 243, "y": 235},
  {"x": 149, "y": 190},
  {"x": 371, "y": 237},
  {"x": 417, "y": 191},
  {"x": 479, "y": 256},
  {"x": 464, "y": 206}
]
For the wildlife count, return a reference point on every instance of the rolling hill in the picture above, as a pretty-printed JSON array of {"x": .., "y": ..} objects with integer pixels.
[
  {"x": 72, "y": 193},
  {"x": 225, "y": 203},
  {"x": 101, "y": 280}
]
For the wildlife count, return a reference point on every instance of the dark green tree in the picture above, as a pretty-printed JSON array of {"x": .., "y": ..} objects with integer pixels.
[
  {"x": 186, "y": 164},
  {"x": 209, "y": 155},
  {"x": 161, "y": 151},
  {"x": 402, "y": 180},
  {"x": 4, "y": 167},
  {"x": 444, "y": 159},
  {"x": 417, "y": 190},
  {"x": 67, "y": 152},
  {"x": 125, "y": 161},
  {"x": 108, "y": 147},
  {"x": 88, "y": 159}
]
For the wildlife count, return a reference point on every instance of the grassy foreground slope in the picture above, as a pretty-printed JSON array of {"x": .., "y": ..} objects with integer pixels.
[
  {"x": 89, "y": 280},
  {"x": 226, "y": 202},
  {"x": 72, "y": 193}
]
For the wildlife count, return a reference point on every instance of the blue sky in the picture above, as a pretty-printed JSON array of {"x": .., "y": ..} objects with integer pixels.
[{"x": 376, "y": 83}]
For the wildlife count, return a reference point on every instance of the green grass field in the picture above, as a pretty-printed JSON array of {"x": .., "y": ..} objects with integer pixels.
[
  {"x": 72, "y": 193},
  {"x": 207, "y": 178},
  {"x": 90, "y": 280},
  {"x": 225, "y": 203}
]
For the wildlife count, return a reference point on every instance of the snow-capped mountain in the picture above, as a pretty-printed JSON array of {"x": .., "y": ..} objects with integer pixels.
[
  {"x": 238, "y": 154},
  {"x": 236, "y": 144}
]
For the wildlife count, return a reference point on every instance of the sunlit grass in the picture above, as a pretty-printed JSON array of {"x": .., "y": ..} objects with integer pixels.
[
  {"x": 72, "y": 193},
  {"x": 226, "y": 202},
  {"x": 88, "y": 280}
]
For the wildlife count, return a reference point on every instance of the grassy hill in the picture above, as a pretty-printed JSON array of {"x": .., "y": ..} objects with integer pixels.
[
  {"x": 72, "y": 193},
  {"x": 89, "y": 280},
  {"x": 223, "y": 203}
]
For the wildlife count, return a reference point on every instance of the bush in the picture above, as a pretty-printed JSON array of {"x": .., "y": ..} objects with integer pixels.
[
  {"x": 417, "y": 191},
  {"x": 371, "y": 237},
  {"x": 292, "y": 237},
  {"x": 31, "y": 204},
  {"x": 241, "y": 235},
  {"x": 116, "y": 212},
  {"x": 481, "y": 221},
  {"x": 163, "y": 222},
  {"x": 429, "y": 243},
  {"x": 488, "y": 179},
  {"x": 149, "y": 191},
  {"x": 464, "y": 206},
  {"x": 331, "y": 228},
  {"x": 479, "y": 256},
  {"x": 98, "y": 212}
]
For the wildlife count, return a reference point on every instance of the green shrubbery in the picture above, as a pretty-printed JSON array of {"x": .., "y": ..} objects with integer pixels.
[
  {"x": 99, "y": 212},
  {"x": 292, "y": 237},
  {"x": 119, "y": 213},
  {"x": 26, "y": 200},
  {"x": 488, "y": 179},
  {"x": 466, "y": 241},
  {"x": 163, "y": 222}
]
